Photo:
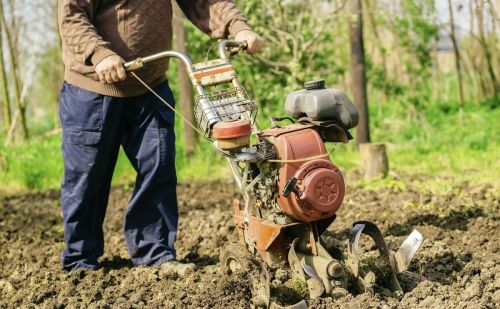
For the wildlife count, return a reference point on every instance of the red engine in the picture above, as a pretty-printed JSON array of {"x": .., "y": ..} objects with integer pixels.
[{"x": 310, "y": 186}]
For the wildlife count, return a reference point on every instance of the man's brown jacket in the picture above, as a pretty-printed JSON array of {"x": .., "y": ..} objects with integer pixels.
[{"x": 92, "y": 30}]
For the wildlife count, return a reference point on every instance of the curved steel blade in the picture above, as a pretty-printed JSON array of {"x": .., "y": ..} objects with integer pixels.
[
  {"x": 407, "y": 251},
  {"x": 373, "y": 231}
]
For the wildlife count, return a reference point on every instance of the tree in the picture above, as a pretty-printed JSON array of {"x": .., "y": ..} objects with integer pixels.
[
  {"x": 358, "y": 71},
  {"x": 7, "y": 112},
  {"x": 480, "y": 6},
  {"x": 11, "y": 37},
  {"x": 186, "y": 94},
  {"x": 458, "y": 59}
]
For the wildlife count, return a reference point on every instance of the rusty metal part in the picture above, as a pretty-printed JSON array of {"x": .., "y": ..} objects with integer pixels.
[
  {"x": 278, "y": 131},
  {"x": 319, "y": 188},
  {"x": 232, "y": 129},
  {"x": 305, "y": 273},
  {"x": 322, "y": 186},
  {"x": 272, "y": 241},
  {"x": 322, "y": 273},
  {"x": 261, "y": 235},
  {"x": 270, "y": 244}
]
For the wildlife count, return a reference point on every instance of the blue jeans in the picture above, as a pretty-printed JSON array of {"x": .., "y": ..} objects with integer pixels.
[{"x": 94, "y": 126}]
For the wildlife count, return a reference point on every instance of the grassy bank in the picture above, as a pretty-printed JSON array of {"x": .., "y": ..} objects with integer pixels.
[{"x": 437, "y": 141}]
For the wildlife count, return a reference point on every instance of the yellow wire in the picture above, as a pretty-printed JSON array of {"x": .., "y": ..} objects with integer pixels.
[{"x": 303, "y": 159}]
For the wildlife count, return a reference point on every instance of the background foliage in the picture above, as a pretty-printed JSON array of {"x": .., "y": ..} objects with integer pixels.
[{"x": 413, "y": 90}]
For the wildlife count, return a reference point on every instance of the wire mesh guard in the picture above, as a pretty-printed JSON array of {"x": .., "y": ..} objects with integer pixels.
[{"x": 223, "y": 105}]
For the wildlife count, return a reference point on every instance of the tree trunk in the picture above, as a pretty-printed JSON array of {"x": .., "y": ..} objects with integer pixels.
[
  {"x": 484, "y": 45},
  {"x": 21, "y": 106},
  {"x": 7, "y": 112},
  {"x": 476, "y": 74},
  {"x": 458, "y": 62},
  {"x": 375, "y": 160},
  {"x": 186, "y": 94},
  {"x": 436, "y": 87},
  {"x": 358, "y": 72},
  {"x": 378, "y": 42},
  {"x": 482, "y": 91}
]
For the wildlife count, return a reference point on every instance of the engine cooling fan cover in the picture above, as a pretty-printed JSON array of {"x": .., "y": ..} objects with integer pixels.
[{"x": 322, "y": 187}]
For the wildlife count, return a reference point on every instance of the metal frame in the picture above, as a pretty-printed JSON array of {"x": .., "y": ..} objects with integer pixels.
[{"x": 241, "y": 174}]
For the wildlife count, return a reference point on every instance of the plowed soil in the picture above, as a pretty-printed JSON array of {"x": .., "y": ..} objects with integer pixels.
[{"x": 460, "y": 257}]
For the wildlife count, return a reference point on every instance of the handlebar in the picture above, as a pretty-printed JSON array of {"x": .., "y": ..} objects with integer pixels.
[
  {"x": 140, "y": 62},
  {"x": 224, "y": 47}
]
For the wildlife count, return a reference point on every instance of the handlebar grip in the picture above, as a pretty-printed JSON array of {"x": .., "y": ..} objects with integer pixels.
[{"x": 133, "y": 65}]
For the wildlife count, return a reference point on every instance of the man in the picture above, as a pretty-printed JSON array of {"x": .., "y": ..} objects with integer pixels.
[{"x": 102, "y": 108}]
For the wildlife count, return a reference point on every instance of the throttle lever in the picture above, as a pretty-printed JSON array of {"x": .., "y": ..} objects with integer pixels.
[
  {"x": 236, "y": 50},
  {"x": 229, "y": 45}
]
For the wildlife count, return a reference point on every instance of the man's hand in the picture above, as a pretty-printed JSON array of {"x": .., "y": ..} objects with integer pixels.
[
  {"x": 110, "y": 70},
  {"x": 254, "y": 41}
]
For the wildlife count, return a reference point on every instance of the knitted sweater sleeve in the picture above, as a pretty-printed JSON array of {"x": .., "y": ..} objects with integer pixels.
[
  {"x": 217, "y": 18},
  {"x": 78, "y": 32}
]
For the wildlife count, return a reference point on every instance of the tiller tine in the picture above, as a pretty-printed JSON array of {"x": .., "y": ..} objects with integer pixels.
[
  {"x": 394, "y": 262},
  {"x": 406, "y": 252},
  {"x": 314, "y": 282},
  {"x": 306, "y": 273}
]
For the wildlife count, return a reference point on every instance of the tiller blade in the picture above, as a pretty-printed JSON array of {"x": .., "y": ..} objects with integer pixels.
[
  {"x": 392, "y": 263},
  {"x": 407, "y": 251}
]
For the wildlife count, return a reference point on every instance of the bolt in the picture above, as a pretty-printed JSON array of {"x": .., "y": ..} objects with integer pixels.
[{"x": 335, "y": 270}]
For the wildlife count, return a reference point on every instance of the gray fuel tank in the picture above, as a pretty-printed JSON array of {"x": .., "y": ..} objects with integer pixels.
[{"x": 318, "y": 103}]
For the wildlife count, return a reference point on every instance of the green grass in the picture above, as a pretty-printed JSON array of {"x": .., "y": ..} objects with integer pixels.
[{"x": 437, "y": 141}]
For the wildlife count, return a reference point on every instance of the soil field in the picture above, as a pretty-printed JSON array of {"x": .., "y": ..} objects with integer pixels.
[{"x": 460, "y": 257}]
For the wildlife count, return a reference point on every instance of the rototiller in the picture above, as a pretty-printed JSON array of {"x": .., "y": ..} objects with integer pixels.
[{"x": 291, "y": 189}]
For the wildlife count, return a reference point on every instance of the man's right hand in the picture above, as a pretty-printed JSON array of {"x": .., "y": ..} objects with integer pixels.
[{"x": 110, "y": 70}]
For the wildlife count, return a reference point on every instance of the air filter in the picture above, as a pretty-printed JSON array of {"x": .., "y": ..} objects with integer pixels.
[{"x": 232, "y": 135}]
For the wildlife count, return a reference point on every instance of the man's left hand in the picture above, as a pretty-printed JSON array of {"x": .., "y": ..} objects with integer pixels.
[{"x": 255, "y": 42}]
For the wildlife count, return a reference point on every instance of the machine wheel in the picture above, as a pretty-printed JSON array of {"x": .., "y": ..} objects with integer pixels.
[{"x": 235, "y": 258}]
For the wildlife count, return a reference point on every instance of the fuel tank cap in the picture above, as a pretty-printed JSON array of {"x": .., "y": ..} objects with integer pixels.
[{"x": 315, "y": 84}]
